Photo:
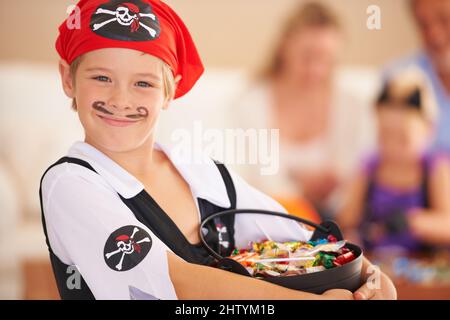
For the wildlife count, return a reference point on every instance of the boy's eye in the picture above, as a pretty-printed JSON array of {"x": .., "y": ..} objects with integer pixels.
[
  {"x": 102, "y": 78},
  {"x": 143, "y": 84}
]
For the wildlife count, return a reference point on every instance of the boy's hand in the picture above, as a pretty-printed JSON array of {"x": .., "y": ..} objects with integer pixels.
[
  {"x": 386, "y": 290},
  {"x": 338, "y": 294}
]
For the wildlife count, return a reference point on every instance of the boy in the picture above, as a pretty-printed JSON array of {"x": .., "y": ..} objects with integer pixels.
[{"x": 120, "y": 207}]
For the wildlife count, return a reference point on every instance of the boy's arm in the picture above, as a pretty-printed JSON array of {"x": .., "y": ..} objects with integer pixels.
[{"x": 193, "y": 281}]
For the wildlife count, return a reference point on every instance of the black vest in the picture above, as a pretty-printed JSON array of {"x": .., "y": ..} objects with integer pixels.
[{"x": 149, "y": 213}]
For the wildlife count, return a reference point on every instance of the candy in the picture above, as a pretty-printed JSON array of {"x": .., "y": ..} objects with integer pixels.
[
  {"x": 270, "y": 273},
  {"x": 345, "y": 250},
  {"x": 327, "y": 260},
  {"x": 331, "y": 238},
  {"x": 244, "y": 258},
  {"x": 327, "y": 247},
  {"x": 314, "y": 269},
  {"x": 274, "y": 259},
  {"x": 315, "y": 243},
  {"x": 345, "y": 258}
]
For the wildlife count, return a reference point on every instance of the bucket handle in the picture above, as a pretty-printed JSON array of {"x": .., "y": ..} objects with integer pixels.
[{"x": 324, "y": 228}]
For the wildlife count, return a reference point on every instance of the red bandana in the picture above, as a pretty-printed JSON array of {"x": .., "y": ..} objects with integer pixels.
[{"x": 149, "y": 26}]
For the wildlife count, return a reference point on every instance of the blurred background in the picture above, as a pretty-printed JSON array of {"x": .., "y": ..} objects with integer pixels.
[{"x": 358, "y": 89}]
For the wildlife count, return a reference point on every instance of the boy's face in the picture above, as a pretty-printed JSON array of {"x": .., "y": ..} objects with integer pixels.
[
  {"x": 119, "y": 94},
  {"x": 402, "y": 134}
]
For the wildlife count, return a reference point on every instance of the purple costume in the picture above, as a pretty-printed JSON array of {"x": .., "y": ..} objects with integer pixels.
[{"x": 384, "y": 223}]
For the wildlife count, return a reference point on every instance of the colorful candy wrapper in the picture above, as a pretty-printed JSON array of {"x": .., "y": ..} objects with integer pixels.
[{"x": 273, "y": 259}]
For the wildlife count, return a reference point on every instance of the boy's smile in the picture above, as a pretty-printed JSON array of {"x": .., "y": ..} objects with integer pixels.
[{"x": 117, "y": 122}]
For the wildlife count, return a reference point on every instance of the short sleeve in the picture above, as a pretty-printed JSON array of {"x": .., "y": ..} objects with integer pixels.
[
  {"x": 90, "y": 227},
  {"x": 256, "y": 227}
]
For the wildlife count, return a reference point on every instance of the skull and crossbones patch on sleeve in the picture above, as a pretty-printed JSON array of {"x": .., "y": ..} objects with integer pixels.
[
  {"x": 126, "y": 248},
  {"x": 131, "y": 20}
]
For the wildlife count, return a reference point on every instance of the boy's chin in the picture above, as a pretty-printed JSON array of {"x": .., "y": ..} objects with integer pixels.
[{"x": 118, "y": 145}]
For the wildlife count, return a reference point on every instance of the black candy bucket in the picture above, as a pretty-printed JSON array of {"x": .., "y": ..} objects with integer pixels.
[{"x": 347, "y": 276}]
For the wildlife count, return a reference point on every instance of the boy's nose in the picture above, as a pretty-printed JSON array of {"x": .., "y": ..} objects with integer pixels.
[{"x": 120, "y": 101}]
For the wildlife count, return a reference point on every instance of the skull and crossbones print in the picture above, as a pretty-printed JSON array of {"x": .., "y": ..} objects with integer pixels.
[
  {"x": 125, "y": 14},
  {"x": 126, "y": 247},
  {"x": 222, "y": 233}
]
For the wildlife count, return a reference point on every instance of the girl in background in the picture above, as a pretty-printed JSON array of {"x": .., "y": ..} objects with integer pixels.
[{"x": 402, "y": 194}]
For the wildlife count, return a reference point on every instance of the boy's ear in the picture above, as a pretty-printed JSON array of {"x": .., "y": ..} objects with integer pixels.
[
  {"x": 177, "y": 79},
  {"x": 66, "y": 78},
  {"x": 167, "y": 101}
]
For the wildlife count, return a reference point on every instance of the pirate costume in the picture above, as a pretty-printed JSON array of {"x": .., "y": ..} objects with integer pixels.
[{"x": 107, "y": 237}]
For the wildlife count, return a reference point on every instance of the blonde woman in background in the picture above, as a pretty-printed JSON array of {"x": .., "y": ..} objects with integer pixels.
[{"x": 323, "y": 127}]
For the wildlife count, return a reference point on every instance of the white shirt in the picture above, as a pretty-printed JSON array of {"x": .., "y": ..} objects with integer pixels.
[{"x": 82, "y": 209}]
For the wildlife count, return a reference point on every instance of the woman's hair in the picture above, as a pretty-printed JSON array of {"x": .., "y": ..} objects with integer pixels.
[
  {"x": 411, "y": 91},
  {"x": 167, "y": 77},
  {"x": 311, "y": 14}
]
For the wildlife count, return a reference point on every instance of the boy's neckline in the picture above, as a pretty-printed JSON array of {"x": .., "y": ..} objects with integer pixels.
[{"x": 196, "y": 175}]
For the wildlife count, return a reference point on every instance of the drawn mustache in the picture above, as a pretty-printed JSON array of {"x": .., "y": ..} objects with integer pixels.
[
  {"x": 142, "y": 112},
  {"x": 99, "y": 106}
]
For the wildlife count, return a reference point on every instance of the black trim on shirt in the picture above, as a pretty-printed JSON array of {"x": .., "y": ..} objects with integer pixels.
[{"x": 149, "y": 213}]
